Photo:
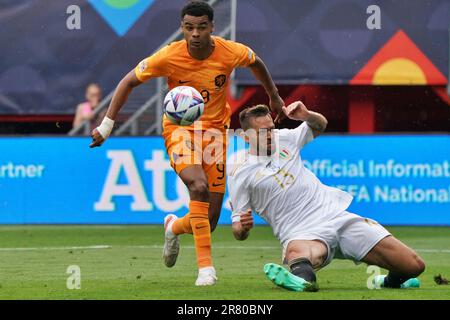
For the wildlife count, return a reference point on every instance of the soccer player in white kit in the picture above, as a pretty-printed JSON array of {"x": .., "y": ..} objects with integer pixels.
[{"x": 309, "y": 218}]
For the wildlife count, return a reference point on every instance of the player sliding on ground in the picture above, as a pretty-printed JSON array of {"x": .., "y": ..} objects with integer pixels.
[
  {"x": 204, "y": 62},
  {"x": 309, "y": 218}
]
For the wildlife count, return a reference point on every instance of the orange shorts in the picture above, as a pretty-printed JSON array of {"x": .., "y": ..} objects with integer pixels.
[{"x": 207, "y": 148}]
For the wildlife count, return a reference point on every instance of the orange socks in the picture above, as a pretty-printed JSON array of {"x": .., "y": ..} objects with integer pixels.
[
  {"x": 182, "y": 225},
  {"x": 196, "y": 222},
  {"x": 198, "y": 212}
]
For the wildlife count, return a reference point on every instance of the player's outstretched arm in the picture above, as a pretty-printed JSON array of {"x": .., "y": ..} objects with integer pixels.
[
  {"x": 241, "y": 229},
  {"x": 262, "y": 74},
  {"x": 298, "y": 111},
  {"x": 123, "y": 90}
]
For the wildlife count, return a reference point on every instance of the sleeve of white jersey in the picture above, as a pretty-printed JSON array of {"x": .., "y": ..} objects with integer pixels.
[
  {"x": 302, "y": 135},
  {"x": 239, "y": 197}
]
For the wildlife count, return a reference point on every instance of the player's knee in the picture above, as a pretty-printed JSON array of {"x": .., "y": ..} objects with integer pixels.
[
  {"x": 198, "y": 190},
  {"x": 413, "y": 266},
  {"x": 417, "y": 265}
]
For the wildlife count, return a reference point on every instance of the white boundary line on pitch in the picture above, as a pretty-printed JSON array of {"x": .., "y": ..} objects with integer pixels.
[
  {"x": 99, "y": 247},
  {"x": 56, "y": 248},
  {"x": 264, "y": 248}
]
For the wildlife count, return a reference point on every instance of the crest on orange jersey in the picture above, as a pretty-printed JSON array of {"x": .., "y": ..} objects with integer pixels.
[{"x": 220, "y": 80}]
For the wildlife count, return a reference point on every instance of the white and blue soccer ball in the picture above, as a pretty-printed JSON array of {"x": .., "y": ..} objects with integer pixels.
[{"x": 183, "y": 105}]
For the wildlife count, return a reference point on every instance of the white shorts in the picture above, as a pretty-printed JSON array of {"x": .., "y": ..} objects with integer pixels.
[{"x": 347, "y": 236}]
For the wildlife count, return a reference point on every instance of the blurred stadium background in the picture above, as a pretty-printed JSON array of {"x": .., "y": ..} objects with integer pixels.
[{"x": 383, "y": 90}]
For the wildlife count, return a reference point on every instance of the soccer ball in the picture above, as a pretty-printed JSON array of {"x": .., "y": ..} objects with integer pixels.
[{"x": 183, "y": 105}]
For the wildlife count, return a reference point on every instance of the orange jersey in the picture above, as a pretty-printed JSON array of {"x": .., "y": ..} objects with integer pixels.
[{"x": 210, "y": 76}]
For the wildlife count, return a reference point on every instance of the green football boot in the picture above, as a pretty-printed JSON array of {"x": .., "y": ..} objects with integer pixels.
[
  {"x": 283, "y": 278},
  {"x": 378, "y": 282}
]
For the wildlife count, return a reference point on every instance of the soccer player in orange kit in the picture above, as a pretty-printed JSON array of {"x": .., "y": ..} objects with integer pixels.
[{"x": 204, "y": 62}]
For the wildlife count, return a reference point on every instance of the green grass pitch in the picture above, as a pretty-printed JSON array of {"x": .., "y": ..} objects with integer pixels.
[{"x": 34, "y": 260}]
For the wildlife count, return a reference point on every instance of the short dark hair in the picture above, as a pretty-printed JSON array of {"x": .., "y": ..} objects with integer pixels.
[
  {"x": 245, "y": 115},
  {"x": 198, "y": 9}
]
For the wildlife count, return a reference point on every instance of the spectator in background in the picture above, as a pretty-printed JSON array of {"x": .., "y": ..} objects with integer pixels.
[{"x": 85, "y": 110}]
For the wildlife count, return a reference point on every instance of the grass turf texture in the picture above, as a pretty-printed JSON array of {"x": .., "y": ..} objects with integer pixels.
[{"x": 132, "y": 267}]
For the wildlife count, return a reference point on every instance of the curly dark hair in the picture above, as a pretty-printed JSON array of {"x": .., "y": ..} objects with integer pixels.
[{"x": 198, "y": 9}]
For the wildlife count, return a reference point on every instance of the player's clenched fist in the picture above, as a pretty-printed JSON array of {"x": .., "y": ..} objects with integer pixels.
[
  {"x": 247, "y": 220},
  {"x": 276, "y": 104},
  {"x": 296, "y": 111},
  {"x": 101, "y": 133},
  {"x": 97, "y": 139}
]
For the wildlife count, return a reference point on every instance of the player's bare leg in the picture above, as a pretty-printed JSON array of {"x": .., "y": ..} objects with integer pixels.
[
  {"x": 197, "y": 222},
  {"x": 303, "y": 256},
  {"x": 403, "y": 263},
  {"x": 215, "y": 207}
]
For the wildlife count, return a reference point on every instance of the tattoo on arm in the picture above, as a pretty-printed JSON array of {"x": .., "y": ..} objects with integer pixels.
[{"x": 316, "y": 121}]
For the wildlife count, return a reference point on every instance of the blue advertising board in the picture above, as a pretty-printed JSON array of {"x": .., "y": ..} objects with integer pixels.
[{"x": 397, "y": 180}]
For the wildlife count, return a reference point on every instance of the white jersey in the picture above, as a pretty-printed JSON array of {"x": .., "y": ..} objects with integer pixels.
[{"x": 281, "y": 190}]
